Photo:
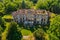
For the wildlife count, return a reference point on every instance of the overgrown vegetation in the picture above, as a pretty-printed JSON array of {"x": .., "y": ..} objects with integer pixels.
[{"x": 12, "y": 31}]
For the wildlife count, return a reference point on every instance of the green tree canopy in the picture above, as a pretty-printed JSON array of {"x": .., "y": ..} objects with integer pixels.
[
  {"x": 39, "y": 34},
  {"x": 54, "y": 30},
  {"x": 1, "y": 8},
  {"x": 13, "y": 33},
  {"x": 10, "y": 7}
]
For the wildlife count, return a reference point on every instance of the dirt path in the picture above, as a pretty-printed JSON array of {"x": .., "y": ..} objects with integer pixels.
[{"x": 29, "y": 37}]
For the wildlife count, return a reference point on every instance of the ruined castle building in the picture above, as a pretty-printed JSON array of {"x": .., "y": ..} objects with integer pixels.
[{"x": 31, "y": 16}]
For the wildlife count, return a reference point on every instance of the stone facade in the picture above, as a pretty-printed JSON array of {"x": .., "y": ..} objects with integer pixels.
[{"x": 31, "y": 16}]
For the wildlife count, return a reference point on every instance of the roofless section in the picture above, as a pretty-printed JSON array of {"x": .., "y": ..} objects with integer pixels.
[{"x": 31, "y": 17}]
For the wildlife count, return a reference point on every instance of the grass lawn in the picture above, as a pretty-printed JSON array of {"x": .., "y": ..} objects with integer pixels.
[
  {"x": 8, "y": 17},
  {"x": 26, "y": 32}
]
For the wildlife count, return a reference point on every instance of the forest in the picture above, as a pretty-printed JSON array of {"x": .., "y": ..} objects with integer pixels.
[{"x": 10, "y": 30}]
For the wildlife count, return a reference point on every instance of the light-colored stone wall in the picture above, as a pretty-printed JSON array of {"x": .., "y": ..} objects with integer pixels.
[{"x": 41, "y": 18}]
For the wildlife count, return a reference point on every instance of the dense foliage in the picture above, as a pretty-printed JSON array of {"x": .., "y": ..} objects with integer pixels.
[
  {"x": 51, "y": 5},
  {"x": 8, "y": 6},
  {"x": 13, "y": 31}
]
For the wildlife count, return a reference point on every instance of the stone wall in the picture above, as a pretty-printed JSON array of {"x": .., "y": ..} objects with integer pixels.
[{"x": 40, "y": 17}]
